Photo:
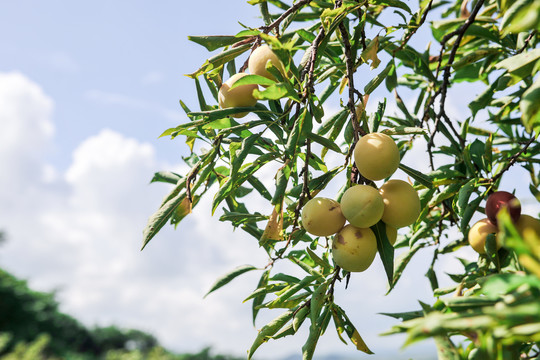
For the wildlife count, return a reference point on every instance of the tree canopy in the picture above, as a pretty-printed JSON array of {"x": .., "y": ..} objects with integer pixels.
[{"x": 340, "y": 52}]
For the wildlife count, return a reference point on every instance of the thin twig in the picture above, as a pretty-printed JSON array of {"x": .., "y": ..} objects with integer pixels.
[
  {"x": 443, "y": 88},
  {"x": 527, "y": 40},
  {"x": 513, "y": 160},
  {"x": 309, "y": 70},
  {"x": 409, "y": 35},
  {"x": 275, "y": 24}
]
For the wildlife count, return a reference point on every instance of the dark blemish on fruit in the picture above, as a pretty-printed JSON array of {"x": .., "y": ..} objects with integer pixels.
[
  {"x": 332, "y": 208},
  {"x": 358, "y": 234},
  {"x": 341, "y": 240}
]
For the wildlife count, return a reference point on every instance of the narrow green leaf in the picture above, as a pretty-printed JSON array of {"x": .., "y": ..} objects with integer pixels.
[
  {"x": 404, "y": 130},
  {"x": 227, "y": 278},
  {"x": 283, "y": 297},
  {"x": 317, "y": 301},
  {"x": 327, "y": 143},
  {"x": 386, "y": 250},
  {"x": 392, "y": 3},
  {"x": 520, "y": 64},
  {"x": 315, "y": 331},
  {"x": 253, "y": 79},
  {"x": 323, "y": 264},
  {"x": 401, "y": 263},
  {"x": 530, "y": 107},
  {"x": 404, "y": 316},
  {"x": 200, "y": 96},
  {"x": 282, "y": 179},
  {"x": 299, "y": 317},
  {"x": 214, "y": 42},
  {"x": 422, "y": 179},
  {"x": 468, "y": 213},
  {"x": 464, "y": 195},
  {"x": 160, "y": 217},
  {"x": 221, "y": 113},
  {"x": 220, "y": 59},
  {"x": 269, "y": 330},
  {"x": 167, "y": 177},
  {"x": 376, "y": 118},
  {"x": 377, "y": 80},
  {"x": 346, "y": 324}
]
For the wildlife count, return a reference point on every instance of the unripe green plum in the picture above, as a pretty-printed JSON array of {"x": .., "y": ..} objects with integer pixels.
[
  {"x": 479, "y": 233},
  {"x": 527, "y": 223},
  {"x": 258, "y": 60},
  {"x": 240, "y": 96},
  {"x": 376, "y": 156},
  {"x": 354, "y": 248},
  {"x": 362, "y": 206},
  {"x": 322, "y": 217},
  {"x": 401, "y": 203}
]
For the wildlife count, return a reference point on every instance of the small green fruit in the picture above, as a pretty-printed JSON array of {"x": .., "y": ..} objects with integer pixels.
[
  {"x": 479, "y": 233},
  {"x": 258, "y": 60},
  {"x": 322, "y": 217},
  {"x": 376, "y": 156},
  {"x": 401, "y": 203},
  {"x": 354, "y": 249},
  {"x": 240, "y": 96},
  {"x": 362, "y": 206}
]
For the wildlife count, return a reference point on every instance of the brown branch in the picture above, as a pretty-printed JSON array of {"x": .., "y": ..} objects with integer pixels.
[
  {"x": 255, "y": 45},
  {"x": 309, "y": 70},
  {"x": 277, "y": 22},
  {"x": 189, "y": 180},
  {"x": 527, "y": 40},
  {"x": 350, "y": 79},
  {"x": 245, "y": 41},
  {"x": 513, "y": 159},
  {"x": 305, "y": 188},
  {"x": 443, "y": 88},
  {"x": 333, "y": 282},
  {"x": 409, "y": 36}
]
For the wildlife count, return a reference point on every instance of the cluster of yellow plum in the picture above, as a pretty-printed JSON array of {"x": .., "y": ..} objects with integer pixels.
[
  {"x": 483, "y": 228},
  {"x": 396, "y": 203},
  {"x": 242, "y": 95}
]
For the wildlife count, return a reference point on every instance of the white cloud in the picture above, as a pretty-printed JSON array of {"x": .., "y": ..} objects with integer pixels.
[{"x": 27, "y": 129}]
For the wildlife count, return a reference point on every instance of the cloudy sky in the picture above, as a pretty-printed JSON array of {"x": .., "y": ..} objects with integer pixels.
[{"x": 85, "y": 90}]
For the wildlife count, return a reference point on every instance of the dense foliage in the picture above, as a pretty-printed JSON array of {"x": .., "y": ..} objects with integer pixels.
[
  {"x": 32, "y": 327},
  {"x": 324, "y": 46}
]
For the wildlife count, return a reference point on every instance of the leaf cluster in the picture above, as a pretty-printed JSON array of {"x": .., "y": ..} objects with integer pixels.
[{"x": 325, "y": 46}]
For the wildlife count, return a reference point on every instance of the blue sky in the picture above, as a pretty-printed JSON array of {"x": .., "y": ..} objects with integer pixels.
[{"x": 85, "y": 90}]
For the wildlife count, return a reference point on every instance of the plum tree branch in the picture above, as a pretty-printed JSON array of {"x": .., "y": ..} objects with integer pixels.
[
  {"x": 527, "y": 41},
  {"x": 277, "y": 22},
  {"x": 443, "y": 88},
  {"x": 410, "y": 34},
  {"x": 513, "y": 159}
]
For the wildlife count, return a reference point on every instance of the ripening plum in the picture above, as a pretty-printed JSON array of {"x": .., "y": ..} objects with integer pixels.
[
  {"x": 479, "y": 233},
  {"x": 376, "y": 156},
  {"x": 362, "y": 206},
  {"x": 258, "y": 60},
  {"x": 354, "y": 248},
  {"x": 322, "y": 217},
  {"x": 238, "y": 97},
  {"x": 401, "y": 203},
  {"x": 528, "y": 223},
  {"x": 499, "y": 199}
]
